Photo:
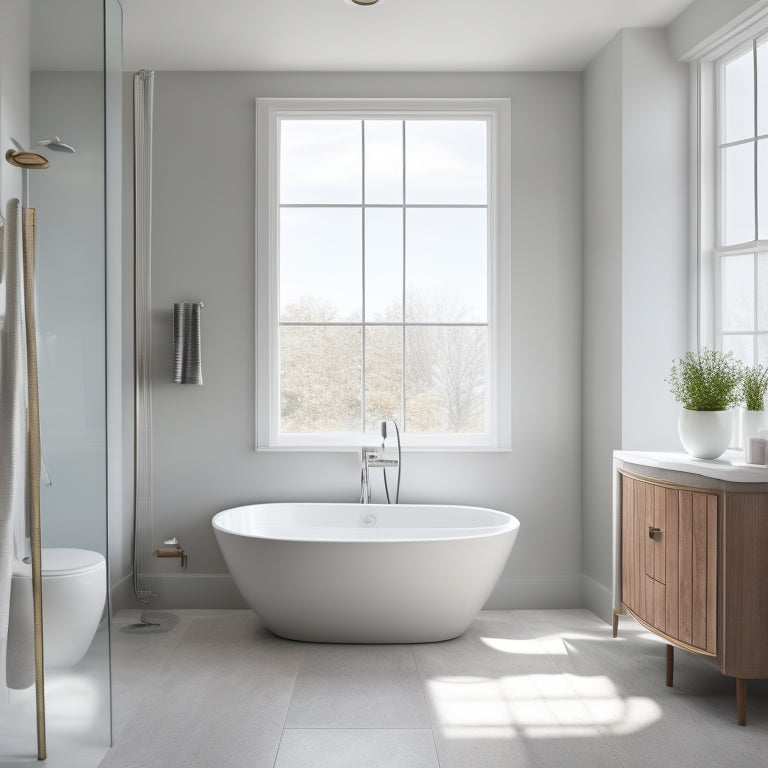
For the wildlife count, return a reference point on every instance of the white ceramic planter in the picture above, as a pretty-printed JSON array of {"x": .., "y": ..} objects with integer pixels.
[{"x": 705, "y": 434}]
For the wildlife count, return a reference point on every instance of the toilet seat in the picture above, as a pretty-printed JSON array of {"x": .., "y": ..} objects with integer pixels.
[
  {"x": 68, "y": 562},
  {"x": 59, "y": 561}
]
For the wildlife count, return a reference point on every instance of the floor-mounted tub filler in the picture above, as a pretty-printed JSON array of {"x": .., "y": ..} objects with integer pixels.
[{"x": 365, "y": 573}]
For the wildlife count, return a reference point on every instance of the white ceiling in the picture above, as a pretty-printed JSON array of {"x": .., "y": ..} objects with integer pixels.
[{"x": 395, "y": 35}]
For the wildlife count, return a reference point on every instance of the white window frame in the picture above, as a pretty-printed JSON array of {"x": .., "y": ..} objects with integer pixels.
[
  {"x": 707, "y": 81},
  {"x": 497, "y": 113}
]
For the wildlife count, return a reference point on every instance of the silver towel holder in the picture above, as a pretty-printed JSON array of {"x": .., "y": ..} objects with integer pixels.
[{"x": 187, "y": 362}]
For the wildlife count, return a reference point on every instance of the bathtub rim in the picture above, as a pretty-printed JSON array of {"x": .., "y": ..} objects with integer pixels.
[{"x": 509, "y": 525}]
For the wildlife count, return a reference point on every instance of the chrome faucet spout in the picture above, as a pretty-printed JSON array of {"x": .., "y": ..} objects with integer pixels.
[
  {"x": 365, "y": 480},
  {"x": 371, "y": 457},
  {"x": 377, "y": 456}
]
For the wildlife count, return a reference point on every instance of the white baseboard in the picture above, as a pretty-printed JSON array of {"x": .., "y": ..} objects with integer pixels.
[
  {"x": 597, "y": 598},
  {"x": 543, "y": 592},
  {"x": 185, "y": 590},
  {"x": 218, "y": 590}
]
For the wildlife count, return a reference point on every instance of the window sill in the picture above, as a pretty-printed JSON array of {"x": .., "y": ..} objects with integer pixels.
[{"x": 357, "y": 449}]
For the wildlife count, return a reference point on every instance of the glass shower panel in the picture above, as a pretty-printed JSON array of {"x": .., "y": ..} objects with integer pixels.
[{"x": 72, "y": 46}]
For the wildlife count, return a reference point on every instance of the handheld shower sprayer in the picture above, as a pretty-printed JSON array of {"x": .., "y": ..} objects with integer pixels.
[
  {"x": 399, "y": 459},
  {"x": 376, "y": 456},
  {"x": 56, "y": 144}
]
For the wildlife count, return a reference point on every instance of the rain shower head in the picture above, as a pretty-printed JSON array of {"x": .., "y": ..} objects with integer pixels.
[
  {"x": 29, "y": 161},
  {"x": 56, "y": 144}
]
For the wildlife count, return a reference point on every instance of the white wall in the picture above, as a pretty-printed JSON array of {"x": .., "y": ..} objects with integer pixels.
[
  {"x": 14, "y": 90},
  {"x": 203, "y": 248},
  {"x": 632, "y": 289},
  {"x": 654, "y": 234},
  {"x": 635, "y": 270},
  {"x": 601, "y": 418}
]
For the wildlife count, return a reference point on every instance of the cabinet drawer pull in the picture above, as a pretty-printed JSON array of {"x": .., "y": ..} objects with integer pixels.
[{"x": 654, "y": 533}]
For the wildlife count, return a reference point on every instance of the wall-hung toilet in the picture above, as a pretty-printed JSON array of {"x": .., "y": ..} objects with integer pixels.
[{"x": 74, "y": 591}]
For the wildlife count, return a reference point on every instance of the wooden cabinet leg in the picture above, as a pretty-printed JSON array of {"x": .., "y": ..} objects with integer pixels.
[
  {"x": 670, "y": 664},
  {"x": 615, "y": 623},
  {"x": 741, "y": 700}
]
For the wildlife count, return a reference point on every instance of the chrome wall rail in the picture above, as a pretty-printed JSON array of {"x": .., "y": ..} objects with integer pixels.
[{"x": 143, "y": 96}]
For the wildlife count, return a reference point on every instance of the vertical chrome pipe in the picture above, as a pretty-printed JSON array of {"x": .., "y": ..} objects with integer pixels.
[{"x": 143, "y": 100}]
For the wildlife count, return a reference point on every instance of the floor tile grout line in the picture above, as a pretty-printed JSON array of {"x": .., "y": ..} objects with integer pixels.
[
  {"x": 556, "y": 662},
  {"x": 288, "y": 707},
  {"x": 426, "y": 704},
  {"x": 613, "y": 751},
  {"x": 580, "y": 698},
  {"x": 153, "y": 684}
]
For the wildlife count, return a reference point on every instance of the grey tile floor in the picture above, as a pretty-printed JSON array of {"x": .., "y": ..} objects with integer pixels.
[{"x": 519, "y": 688}]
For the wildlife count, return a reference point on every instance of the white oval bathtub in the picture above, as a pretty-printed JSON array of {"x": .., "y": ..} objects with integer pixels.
[{"x": 373, "y": 573}]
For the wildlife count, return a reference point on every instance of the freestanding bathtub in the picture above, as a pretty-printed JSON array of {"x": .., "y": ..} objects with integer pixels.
[{"x": 365, "y": 573}]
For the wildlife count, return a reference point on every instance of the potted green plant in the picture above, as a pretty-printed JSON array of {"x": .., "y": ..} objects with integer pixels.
[
  {"x": 753, "y": 388},
  {"x": 708, "y": 385}
]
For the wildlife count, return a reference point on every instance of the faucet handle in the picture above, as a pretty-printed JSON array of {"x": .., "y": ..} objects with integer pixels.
[{"x": 373, "y": 456}]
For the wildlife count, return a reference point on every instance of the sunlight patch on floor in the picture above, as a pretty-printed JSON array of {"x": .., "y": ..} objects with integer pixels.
[
  {"x": 536, "y": 706},
  {"x": 556, "y": 644},
  {"x": 532, "y": 647},
  {"x": 74, "y": 703}
]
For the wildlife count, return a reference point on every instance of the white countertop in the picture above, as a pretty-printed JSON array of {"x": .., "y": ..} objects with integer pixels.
[{"x": 730, "y": 467}]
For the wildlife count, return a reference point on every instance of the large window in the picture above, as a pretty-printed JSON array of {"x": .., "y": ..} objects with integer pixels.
[
  {"x": 381, "y": 265},
  {"x": 740, "y": 201}
]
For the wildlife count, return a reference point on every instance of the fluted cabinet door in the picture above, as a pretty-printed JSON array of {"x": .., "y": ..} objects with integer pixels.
[
  {"x": 693, "y": 594},
  {"x": 669, "y": 560},
  {"x": 633, "y": 554},
  {"x": 672, "y": 561}
]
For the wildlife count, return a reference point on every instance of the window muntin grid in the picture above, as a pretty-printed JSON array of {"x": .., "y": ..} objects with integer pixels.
[{"x": 380, "y": 205}]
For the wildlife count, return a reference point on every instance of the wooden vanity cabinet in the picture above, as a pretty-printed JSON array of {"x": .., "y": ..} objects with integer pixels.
[{"x": 694, "y": 570}]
